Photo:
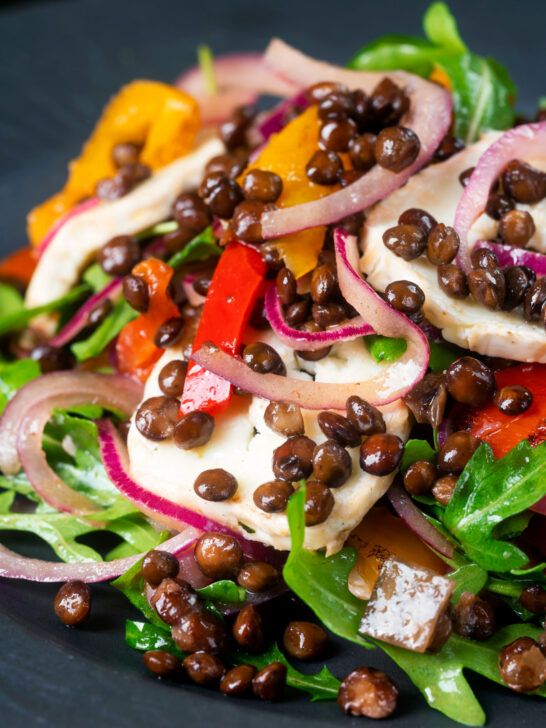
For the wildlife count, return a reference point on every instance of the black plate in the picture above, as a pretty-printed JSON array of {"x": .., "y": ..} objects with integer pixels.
[{"x": 59, "y": 63}]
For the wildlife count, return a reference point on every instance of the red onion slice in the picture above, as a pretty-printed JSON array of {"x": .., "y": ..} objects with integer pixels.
[
  {"x": 393, "y": 382},
  {"x": 306, "y": 340},
  {"x": 429, "y": 117},
  {"x": 241, "y": 78},
  {"x": 522, "y": 142},
  {"x": 76, "y": 210},
  {"x": 116, "y": 463},
  {"x": 509, "y": 255},
  {"x": 24, "y": 419},
  {"x": 13, "y": 566},
  {"x": 412, "y": 517},
  {"x": 274, "y": 121},
  {"x": 81, "y": 318}
]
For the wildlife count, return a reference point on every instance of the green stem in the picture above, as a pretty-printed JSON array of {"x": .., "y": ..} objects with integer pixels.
[{"x": 206, "y": 63}]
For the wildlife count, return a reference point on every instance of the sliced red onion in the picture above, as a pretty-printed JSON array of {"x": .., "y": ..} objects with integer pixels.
[
  {"x": 274, "y": 121},
  {"x": 429, "y": 117},
  {"x": 116, "y": 463},
  {"x": 522, "y": 142},
  {"x": 24, "y": 419},
  {"x": 13, "y": 566},
  {"x": 540, "y": 506},
  {"x": 414, "y": 519},
  {"x": 306, "y": 340},
  {"x": 241, "y": 78},
  {"x": 76, "y": 210},
  {"x": 509, "y": 255},
  {"x": 219, "y": 227},
  {"x": 393, "y": 382},
  {"x": 81, "y": 318}
]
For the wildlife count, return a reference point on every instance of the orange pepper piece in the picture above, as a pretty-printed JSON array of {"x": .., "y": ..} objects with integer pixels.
[
  {"x": 19, "y": 265},
  {"x": 162, "y": 118},
  {"x": 381, "y": 534},
  {"x": 287, "y": 154},
  {"x": 135, "y": 348}
]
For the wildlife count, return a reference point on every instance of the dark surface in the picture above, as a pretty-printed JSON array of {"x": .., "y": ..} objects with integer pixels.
[{"x": 59, "y": 63}]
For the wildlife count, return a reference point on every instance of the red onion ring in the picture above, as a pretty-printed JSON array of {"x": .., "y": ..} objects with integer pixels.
[
  {"x": 81, "y": 318},
  {"x": 414, "y": 519},
  {"x": 13, "y": 566},
  {"x": 116, "y": 463},
  {"x": 241, "y": 78},
  {"x": 390, "y": 385},
  {"x": 274, "y": 121},
  {"x": 306, "y": 340},
  {"x": 519, "y": 143},
  {"x": 429, "y": 117},
  {"x": 24, "y": 419},
  {"x": 76, "y": 210},
  {"x": 509, "y": 255}
]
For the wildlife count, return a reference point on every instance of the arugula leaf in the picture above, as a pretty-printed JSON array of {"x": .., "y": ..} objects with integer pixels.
[
  {"x": 203, "y": 246},
  {"x": 97, "y": 342},
  {"x": 416, "y": 450},
  {"x": 132, "y": 584},
  {"x": 441, "y": 356},
  {"x": 11, "y": 300},
  {"x": 488, "y": 492},
  {"x": 160, "y": 228},
  {"x": 468, "y": 577},
  {"x": 96, "y": 278},
  {"x": 385, "y": 348},
  {"x": 321, "y": 686},
  {"x": 13, "y": 376},
  {"x": 322, "y": 582},
  {"x": 223, "y": 591},
  {"x": 138, "y": 536},
  {"x": 144, "y": 636},
  {"x": 441, "y": 28},
  {"x": 17, "y": 320}
]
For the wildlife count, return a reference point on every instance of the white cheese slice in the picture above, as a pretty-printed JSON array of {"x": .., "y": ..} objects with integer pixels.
[
  {"x": 243, "y": 445},
  {"x": 79, "y": 240},
  {"x": 464, "y": 322}
]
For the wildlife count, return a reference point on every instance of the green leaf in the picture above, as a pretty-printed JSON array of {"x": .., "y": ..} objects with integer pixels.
[
  {"x": 321, "y": 686},
  {"x": 322, "y": 582},
  {"x": 143, "y": 636},
  {"x": 223, "y": 591},
  {"x": 203, "y": 246},
  {"x": 488, "y": 492},
  {"x": 384, "y": 348},
  {"x": 441, "y": 356},
  {"x": 441, "y": 28},
  {"x": 469, "y": 577},
  {"x": 132, "y": 584},
  {"x": 416, "y": 450},
  {"x": 394, "y": 52},
  {"x": 17, "y": 320},
  {"x": 15, "y": 375},
  {"x": 481, "y": 99},
  {"x": 160, "y": 228},
  {"x": 96, "y": 278},
  {"x": 11, "y": 300},
  {"x": 97, "y": 342},
  {"x": 137, "y": 533}
]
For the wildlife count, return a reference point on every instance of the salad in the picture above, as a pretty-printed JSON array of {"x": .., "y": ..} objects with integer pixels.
[{"x": 294, "y": 358}]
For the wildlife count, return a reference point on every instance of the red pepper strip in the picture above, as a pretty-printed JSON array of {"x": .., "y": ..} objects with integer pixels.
[{"x": 236, "y": 285}]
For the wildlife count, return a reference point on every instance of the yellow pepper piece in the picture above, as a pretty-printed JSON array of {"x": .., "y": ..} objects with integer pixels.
[
  {"x": 287, "y": 154},
  {"x": 440, "y": 76},
  {"x": 162, "y": 118}
]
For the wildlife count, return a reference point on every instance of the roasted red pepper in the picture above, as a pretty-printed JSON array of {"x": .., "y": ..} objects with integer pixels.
[
  {"x": 236, "y": 285},
  {"x": 135, "y": 347}
]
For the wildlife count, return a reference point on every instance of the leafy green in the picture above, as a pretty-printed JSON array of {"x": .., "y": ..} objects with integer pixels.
[
  {"x": 95, "y": 344},
  {"x": 488, "y": 492},
  {"x": 203, "y": 246},
  {"x": 416, "y": 450},
  {"x": 160, "y": 228},
  {"x": 321, "y": 686},
  {"x": 321, "y": 582},
  {"x": 144, "y": 636},
  {"x": 468, "y": 577},
  {"x": 13, "y": 376},
  {"x": 223, "y": 591},
  {"x": 11, "y": 300},
  {"x": 132, "y": 584},
  {"x": 96, "y": 278},
  {"x": 483, "y": 92},
  {"x": 17, "y": 320},
  {"x": 384, "y": 348},
  {"x": 441, "y": 356}
]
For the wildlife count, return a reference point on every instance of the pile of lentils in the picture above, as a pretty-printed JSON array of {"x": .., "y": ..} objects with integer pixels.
[{"x": 490, "y": 285}]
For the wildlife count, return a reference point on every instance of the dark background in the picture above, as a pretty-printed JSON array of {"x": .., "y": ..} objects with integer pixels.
[{"x": 59, "y": 64}]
